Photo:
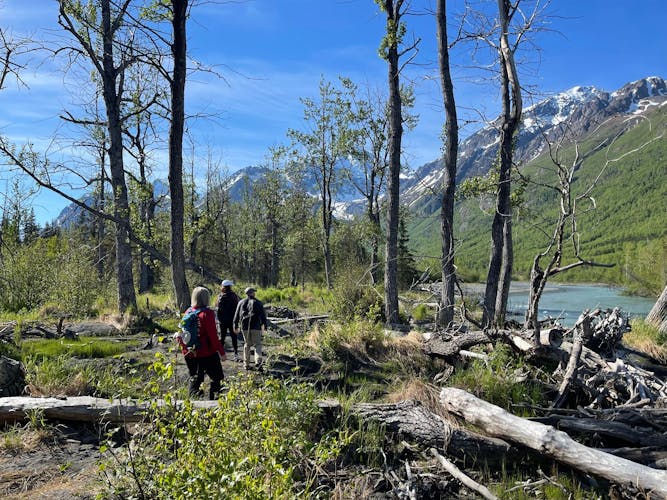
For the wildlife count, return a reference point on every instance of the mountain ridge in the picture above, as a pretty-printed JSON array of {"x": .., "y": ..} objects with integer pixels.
[{"x": 582, "y": 108}]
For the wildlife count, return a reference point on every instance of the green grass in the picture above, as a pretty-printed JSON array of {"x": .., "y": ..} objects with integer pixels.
[
  {"x": 496, "y": 381},
  {"x": 84, "y": 347},
  {"x": 648, "y": 339}
]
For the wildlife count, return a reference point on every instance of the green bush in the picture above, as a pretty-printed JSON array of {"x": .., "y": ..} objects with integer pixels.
[
  {"x": 51, "y": 270},
  {"x": 353, "y": 298},
  {"x": 259, "y": 442},
  {"x": 420, "y": 313}
]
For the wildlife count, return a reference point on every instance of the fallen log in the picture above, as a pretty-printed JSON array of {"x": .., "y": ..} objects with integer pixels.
[
  {"x": 449, "y": 346},
  {"x": 300, "y": 319},
  {"x": 650, "y": 456},
  {"x": 553, "y": 443},
  {"x": 615, "y": 430},
  {"x": 81, "y": 409},
  {"x": 412, "y": 421}
]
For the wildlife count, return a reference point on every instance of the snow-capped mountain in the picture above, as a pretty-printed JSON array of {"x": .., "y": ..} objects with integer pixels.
[
  {"x": 73, "y": 214},
  {"x": 581, "y": 109}
]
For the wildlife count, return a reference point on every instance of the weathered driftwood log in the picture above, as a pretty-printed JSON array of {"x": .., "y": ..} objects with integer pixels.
[
  {"x": 413, "y": 422},
  {"x": 449, "y": 346},
  {"x": 571, "y": 370},
  {"x": 90, "y": 409},
  {"x": 80, "y": 409},
  {"x": 301, "y": 319},
  {"x": 553, "y": 443}
]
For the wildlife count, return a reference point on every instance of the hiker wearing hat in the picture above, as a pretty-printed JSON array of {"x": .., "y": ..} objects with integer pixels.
[
  {"x": 250, "y": 318},
  {"x": 226, "y": 307}
]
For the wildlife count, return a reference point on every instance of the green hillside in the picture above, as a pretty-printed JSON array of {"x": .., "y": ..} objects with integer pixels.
[{"x": 627, "y": 227}]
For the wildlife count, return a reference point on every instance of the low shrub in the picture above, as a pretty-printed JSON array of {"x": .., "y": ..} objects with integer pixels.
[
  {"x": 420, "y": 312},
  {"x": 259, "y": 442}
]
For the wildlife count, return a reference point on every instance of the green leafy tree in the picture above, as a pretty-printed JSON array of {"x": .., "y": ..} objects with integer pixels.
[{"x": 323, "y": 146}]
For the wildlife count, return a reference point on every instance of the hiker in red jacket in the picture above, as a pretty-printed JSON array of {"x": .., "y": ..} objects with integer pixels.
[{"x": 204, "y": 360}]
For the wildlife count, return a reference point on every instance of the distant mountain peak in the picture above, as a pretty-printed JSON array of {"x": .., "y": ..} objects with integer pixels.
[{"x": 582, "y": 107}]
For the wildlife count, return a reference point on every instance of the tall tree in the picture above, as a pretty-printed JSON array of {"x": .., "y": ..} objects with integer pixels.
[
  {"x": 324, "y": 146},
  {"x": 390, "y": 51},
  {"x": 101, "y": 39},
  {"x": 501, "y": 262},
  {"x": 371, "y": 153},
  {"x": 367, "y": 174},
  {"x": 177, "y": 124},
  {"x": 269, "y": 194},
  {"x": 450, "y": 149}
]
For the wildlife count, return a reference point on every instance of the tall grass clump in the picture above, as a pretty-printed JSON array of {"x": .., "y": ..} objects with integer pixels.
[
  {"x": 647, "y": 338},
  {"x": 359, "y": 339},
  {"x": 501, "y": 381}
]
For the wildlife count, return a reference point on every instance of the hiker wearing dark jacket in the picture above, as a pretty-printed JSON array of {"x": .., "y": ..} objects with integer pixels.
[
  {"x": 250, "y": 318},
  {"x": 226, "y": 308},
  {"x": 205, "y": 360}
]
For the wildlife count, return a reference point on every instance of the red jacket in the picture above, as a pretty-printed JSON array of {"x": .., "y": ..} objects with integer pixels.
[{"x": 208, "y": 336}]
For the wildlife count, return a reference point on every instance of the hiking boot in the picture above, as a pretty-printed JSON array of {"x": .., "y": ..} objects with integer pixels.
[{"x": 236, "y": 358}]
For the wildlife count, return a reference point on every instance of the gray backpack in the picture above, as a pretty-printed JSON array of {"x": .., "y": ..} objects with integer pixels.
[{"x": 247, "y": 313}]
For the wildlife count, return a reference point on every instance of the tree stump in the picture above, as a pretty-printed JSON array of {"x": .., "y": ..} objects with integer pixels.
[{"x": 12, "y": 377}]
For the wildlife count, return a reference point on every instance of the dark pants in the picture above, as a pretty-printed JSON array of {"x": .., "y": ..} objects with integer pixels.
[
  {"x": 199, "y": 367},
  {"x": 224, "y": 330}
]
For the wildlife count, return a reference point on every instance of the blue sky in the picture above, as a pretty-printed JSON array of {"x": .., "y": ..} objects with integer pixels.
[{"x": 271, "y": 52}]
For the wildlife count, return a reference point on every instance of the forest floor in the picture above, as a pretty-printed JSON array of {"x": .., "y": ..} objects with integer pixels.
[{"x": 41, "y": 460}]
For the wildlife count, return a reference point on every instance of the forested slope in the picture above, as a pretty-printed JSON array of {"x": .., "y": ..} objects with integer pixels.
[{"x": 625, "y": 226}]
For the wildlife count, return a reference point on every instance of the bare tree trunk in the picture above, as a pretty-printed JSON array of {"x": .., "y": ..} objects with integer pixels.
[
  {"x": 275, "y": 254},
  {"x": 100, "y": 203},
  {"x": 177, "y": 83},
  {"x": 505, "y": 274},
  {"x": 392, "y": 9},
  {"x": 658, "y": 314},
  {"x": 374, "y": 217},
  {"x": 446, "y": 314},
  {"x": 326, "y": 226},
  {"x": 126, "y": 296},
  {"x": 500, "y": 265}
]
